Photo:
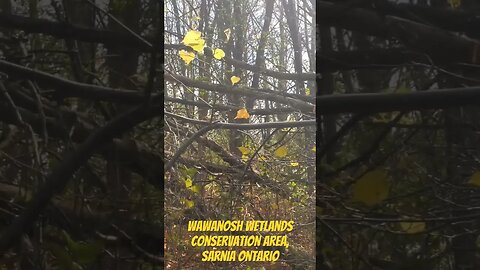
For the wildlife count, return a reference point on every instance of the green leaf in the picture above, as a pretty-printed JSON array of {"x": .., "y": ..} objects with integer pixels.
[
  {"x": 188, "y": 203},
  {"x": 188, "y": 183},
  {"x": 87, "y": 253},
  {"x": 84, "y": 253},
  {"x": 191, "y": 171},
  {"x": 234, "y": 79},
  {"x": 69, "y": 240},
  {"x": 195, "y": 189},
  {"x": 62, "y": 257}
]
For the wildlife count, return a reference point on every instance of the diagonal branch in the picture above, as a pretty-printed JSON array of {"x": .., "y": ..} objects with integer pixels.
[{"x": 65, "y": 30}]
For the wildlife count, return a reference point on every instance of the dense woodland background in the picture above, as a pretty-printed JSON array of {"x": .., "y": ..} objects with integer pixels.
[
  {"x": 398, "y": 159},
  {"x": 81, "y": 134},
  {"x": 240, "y": 150},
  {"x": 84, "y": 145}
]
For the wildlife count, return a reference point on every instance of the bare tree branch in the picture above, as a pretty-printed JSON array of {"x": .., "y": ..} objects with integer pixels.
[{"x": 58, "y": 178}]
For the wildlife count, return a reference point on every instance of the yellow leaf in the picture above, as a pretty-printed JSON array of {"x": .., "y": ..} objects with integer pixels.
[
  {"x": 372, "y": 188},
  {"x": 227, "y": 32},
  {"x": 307, "y": 91},
  {"x": 188, "y": 183},
  {"x": 281, "y": 152},
  {"x": 194, "y": 40},
  {"x": 314, "y": 149},
  {"x": 242, "y": 114},
  {"x": 234, "y": 79},
  {"x": 475, "y": 179},
  {"x": 412, "y": 227},
  {"x": 244, "y": 158},
  {"x": 455, "y": 3},
  {"x": 188, "y": 203},
  {"x": 262, "y": 158},
  {"x": 196, "y": 18},
  {"x": 294, "y": 164},
  {"x": 195, "y": 189},
  {"x": 218, "y": 54},
  {"x": 244, "y": 150},
  {"x": 187, "y": 57}
]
